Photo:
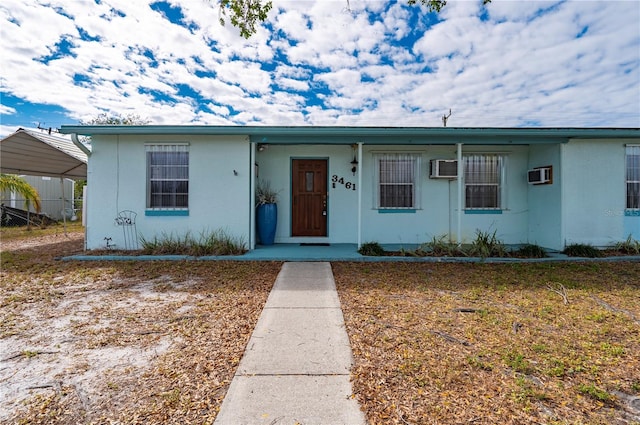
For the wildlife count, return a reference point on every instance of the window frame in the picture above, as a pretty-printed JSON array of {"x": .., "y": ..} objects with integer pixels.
[
  {"x": 632, "y": 201},
  {"x": 170, "y": 208},
  {"x": 499, "y": 181},
  {"x": 416, "y": 159}
]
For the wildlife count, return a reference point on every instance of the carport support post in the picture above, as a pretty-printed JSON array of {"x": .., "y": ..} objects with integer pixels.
[
  {"x": 64, "y": 215},
  {"x": 460, "y": 175}
]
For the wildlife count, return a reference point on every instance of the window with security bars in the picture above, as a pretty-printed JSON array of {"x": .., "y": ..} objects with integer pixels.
[
  {"x": 483, "y": 181},
  {"x": 397, "y": 175},
  {"x": 167, "y": 176},
  {"x": 633, "y": 177}
]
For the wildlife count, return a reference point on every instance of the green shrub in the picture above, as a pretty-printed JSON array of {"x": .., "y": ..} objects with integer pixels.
[
  {"x": 164, "y": 245},
  {"x": 531, "y": 251},
  {"x": 418, "y": 252},
  {"x": 372, "y": 249},
  {"x": 441, "y": 247},
  {"x": 629, "y": 246},
  {"x": 218, "y": 243},
  {"x": 209, "y": 243},
  {"x": 582, "y": 250},
  {"x": 404, "y": 252},
  {"x": 487, "y": 245}
]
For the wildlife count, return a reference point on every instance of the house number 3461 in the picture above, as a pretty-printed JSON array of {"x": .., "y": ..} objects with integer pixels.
[{"x": 335, "y": 180}]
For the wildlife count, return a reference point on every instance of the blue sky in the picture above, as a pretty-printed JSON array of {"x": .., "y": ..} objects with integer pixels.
[{"x": 322, "y": 62}]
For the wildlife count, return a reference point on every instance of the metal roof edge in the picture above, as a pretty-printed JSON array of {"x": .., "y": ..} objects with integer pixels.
[
  {"x": 60, "y": 143},
  {"x": 325, "y": 131}
]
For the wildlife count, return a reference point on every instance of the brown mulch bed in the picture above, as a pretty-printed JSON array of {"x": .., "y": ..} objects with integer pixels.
[{"x": 494, "y": 343}]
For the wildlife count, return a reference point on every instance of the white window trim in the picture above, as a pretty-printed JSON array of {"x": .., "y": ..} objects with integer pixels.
[
  {"x": 626, "y": 177},
  {"x": 158, "y": 147},
  {"x": 417, "y": 188},
  {"x": 502, "y": 194}
]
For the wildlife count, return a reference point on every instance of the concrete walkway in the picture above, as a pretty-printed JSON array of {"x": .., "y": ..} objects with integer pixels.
[{"x": 296, "y": 367}]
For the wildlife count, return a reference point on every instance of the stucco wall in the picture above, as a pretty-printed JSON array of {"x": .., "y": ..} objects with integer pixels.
[
  {"x": 545, "y": 200},
  {"x": 437, "y": 215},
  {"x": 432, "y": 216},
  {"x": 439, "y": 202},
  {"x": 274, "y": 165},
  {"x": 594, "y": 193},
  {"x": 584, "y": 204},
  {"x": 218, "y": 199}
]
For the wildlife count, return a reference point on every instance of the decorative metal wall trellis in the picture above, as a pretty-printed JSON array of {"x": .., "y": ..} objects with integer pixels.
[{"x": 127, "y": 219}]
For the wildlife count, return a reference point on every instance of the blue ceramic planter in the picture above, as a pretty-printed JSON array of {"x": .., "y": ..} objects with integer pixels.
[{"x": 267, "y": 220}]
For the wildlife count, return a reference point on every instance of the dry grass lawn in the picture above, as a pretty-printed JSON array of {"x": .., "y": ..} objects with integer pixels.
[
  {"x": 129, "y": 343},
  {"x": 494, "y": 344},
  {"x": 159, "y": 342}
]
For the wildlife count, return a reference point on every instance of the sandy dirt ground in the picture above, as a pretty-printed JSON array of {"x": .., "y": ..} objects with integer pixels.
[
  {"x": 52, "y": 354},
  {"x": 101, "y": 343},
  {"x": 158, "y": 342}
]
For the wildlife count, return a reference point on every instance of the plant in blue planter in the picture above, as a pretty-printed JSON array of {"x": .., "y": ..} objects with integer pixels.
[{"x": 267, "y": 212}]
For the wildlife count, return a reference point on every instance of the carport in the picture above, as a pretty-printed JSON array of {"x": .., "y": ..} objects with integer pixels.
[{"x": 38, "y": 152}]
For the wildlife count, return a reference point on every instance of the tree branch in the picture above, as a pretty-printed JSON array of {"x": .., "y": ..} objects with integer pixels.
[
  {"x": 560, "y": 290},
  {"x": 246, "y": 15}
]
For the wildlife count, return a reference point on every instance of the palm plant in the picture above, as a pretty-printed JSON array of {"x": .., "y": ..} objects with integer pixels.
[{"x": 13, "y": 183}]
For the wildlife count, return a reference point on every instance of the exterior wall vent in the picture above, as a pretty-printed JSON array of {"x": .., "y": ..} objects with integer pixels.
[
  {"x": 540, "y": 175},
  {"x": 444, "y": 169}
]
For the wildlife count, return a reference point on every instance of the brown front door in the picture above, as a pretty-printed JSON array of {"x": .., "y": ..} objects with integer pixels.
[{"x": 309, "y": 197}]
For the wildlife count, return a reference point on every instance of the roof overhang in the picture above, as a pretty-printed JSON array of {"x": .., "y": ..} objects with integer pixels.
[
  {"x": 369, "y": 135},
  {"x": 37, "y": 153}
]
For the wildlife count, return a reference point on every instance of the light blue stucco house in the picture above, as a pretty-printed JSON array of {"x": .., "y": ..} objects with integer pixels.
[{"x": 548, "y": 186}]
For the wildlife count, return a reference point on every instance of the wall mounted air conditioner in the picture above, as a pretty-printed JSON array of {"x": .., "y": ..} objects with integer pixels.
[
  {"x": 540, "y": 175},
  {"x": 444, "y": 169}
]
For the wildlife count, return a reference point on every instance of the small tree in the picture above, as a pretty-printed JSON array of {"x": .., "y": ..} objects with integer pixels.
[
  {"x": 116, "y": 119},
  {"x": 113, "y": 119},
  {"x": 435, "y": 5},
  {"x": 13, "y": 183},
  {"x": 244, "y": 14},
  {"x": 247, "y": 14}
]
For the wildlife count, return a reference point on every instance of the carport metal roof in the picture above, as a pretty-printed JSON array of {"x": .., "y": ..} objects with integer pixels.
[{"x": 39, "y": 153}]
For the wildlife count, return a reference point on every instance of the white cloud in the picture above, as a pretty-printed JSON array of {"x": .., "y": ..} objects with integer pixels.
[
  {"x": 6, "y": 130},
  {"x": 7, "y": 110},
  {"x": 296, "y": 72},
  {"x": 520, "y": 62},
  {"x": 290, "y": 83}
]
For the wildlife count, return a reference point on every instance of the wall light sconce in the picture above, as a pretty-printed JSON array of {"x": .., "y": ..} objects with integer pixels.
[
  {"x": 354, "y": 163},
  {"x": 262, "y": 147}
]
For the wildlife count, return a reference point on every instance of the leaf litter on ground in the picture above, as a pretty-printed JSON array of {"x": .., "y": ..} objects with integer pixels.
[
  {"x": 159, "y": 342},
  {"x": 491, "y": 343},
  {"x": 128, "y": 342}
]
